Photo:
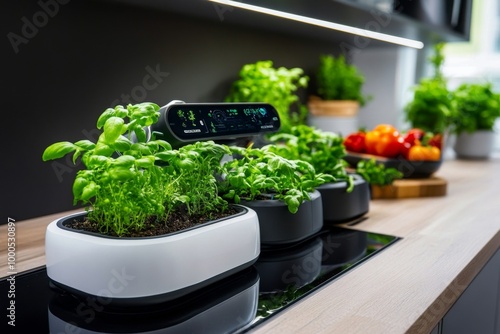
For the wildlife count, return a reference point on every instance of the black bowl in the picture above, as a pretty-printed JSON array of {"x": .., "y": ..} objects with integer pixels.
[{"x": 410, "y": 169}]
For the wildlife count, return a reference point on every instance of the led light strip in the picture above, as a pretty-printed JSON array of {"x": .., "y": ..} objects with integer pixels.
[{"x": 326, "y": 24}]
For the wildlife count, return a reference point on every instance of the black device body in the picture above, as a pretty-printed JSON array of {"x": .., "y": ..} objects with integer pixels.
[{"x": 183, "y": 123}]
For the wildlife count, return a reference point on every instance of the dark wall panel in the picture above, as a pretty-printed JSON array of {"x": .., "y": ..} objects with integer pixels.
[{"x": 86, "y": 56}]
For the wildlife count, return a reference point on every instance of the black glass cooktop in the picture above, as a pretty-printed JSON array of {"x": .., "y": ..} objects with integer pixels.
[{"x": 236, "y": 304}]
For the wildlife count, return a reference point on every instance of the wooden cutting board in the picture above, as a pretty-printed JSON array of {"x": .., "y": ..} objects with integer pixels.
[{"x": 410, "y": 188}]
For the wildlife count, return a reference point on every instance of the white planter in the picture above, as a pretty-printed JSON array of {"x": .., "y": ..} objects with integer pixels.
[
  {"x": 134, "y": 271},
  {"x": 476, "y": 145}
]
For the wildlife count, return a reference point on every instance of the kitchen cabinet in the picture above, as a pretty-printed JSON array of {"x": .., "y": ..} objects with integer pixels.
[
  {"x": 477, "y": 310},
  {"x": 425, "y": 20}
]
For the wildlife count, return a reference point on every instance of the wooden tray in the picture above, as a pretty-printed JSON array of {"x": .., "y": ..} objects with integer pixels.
[{"x": 410, "y": 188}]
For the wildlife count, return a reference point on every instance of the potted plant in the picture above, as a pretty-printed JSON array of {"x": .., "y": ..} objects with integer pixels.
[
  {"x": 431, "y": 107},
  {"x": 155, "y": 226},
  {"x": 378, "y": 176},
  {"x": 261, "y": 82},
  {"x": 281, "y": 191},
  {"x": 344, "y": 198},
  {"x": 477, "y": 108},
  {"x": 339, "y": 95}
]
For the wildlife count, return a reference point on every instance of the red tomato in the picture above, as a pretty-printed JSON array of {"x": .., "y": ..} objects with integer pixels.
[
  {"x": 436, "y": 140},
  {"x": 412, "y": 135},
  {"x": 405, "y": 147},
  {"x": 355, "y": 142}
]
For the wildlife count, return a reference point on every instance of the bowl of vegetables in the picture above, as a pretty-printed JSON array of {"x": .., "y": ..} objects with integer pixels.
[{"x": 415, "y": 153}]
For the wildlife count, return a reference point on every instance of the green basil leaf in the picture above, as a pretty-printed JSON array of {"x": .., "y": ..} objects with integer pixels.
[
  {"x": 58, "y": 150},
  {"x": 121, "y": 173},
  {"x": 113, "y": 128},
  {"x": 108, "y": 113},
  {"x": 145, "y": 162},
  {"x": 122, "y": 144},
  {"x": 125, "y": 161},
  {"x": 85, "y": 144}
]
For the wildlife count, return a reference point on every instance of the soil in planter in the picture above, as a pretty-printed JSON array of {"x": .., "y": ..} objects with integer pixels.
[{"x": 177, "y": 221}]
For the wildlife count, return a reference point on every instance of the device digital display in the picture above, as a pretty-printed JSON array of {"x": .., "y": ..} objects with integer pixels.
[{"x": 205, "y": 121}]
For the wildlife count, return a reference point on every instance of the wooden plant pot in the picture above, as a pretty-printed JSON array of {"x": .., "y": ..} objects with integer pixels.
[
  {"x": 337, "y": 108},
  {"x": 334, "y": 116}
]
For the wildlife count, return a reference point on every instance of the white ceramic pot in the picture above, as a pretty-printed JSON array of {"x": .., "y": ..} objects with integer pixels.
[
  {"x": 475, "y": 145},
  {"x": 149, "y": 270}
]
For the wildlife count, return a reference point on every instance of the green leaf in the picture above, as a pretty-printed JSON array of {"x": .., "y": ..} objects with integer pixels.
[
  {"x": 89, "y": 191},
  {"x": 167, "y": 156},
  {"x": 122, "y": 144},
  {"x": 123, "y": 161},
  {"x": 96, "y": 161},
  {"x": 113, "y": 128},
  {"x": 121, "y": 173},
  {"x": 78, "y": 185},
  {"x": 103, "y": 149},
  {"x": 58, "y": 150},
  {"x": 85, "y": 144},
  {"x": 145, "y": 162},
  {"x": 108, "y": 113}
]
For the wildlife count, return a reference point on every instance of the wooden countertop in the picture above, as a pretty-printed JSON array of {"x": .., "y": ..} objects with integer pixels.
[{"x": 408, "y": 287}]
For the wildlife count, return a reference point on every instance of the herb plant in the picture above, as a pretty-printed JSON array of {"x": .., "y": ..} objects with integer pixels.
[
  {"x": 431, "y": 107},
  {"x": 322, "y": 149},
  {"x": 130, "y": 180},
  {"x": 376, "y": 173},
  {"x": 338, "y": 80},
  {"x": 261, "y": 82},
  {"x": 258, "y": 173},
  {"x": 477, "y": 107}
]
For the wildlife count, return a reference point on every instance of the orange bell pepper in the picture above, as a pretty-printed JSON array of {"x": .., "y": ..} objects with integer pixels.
[{"x": 424, "y": 153}]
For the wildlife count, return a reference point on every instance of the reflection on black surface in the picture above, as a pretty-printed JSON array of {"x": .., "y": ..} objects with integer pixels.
[
  {"x": 340, "y": 250},
  {"x": 219, "y": 308},
  {"x": 280, "y": 277}
]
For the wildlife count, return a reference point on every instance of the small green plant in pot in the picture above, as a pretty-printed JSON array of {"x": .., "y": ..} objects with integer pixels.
[
  {"x": 477, "y": 107},
  {"x": 338, "y": 80},
  {"x": 136, "y": 184},
  {"x": 346, "y": 197},
  {"x": 338, "y": 96},
  {"x": 431, "y": 107},
  {"x": 282, "y": 191},
  {"x": 262, "y": 82},
  {"x": 141, "y": 195}
]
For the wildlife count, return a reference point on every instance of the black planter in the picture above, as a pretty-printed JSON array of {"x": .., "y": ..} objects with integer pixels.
[
  {"x": 290, "y": 267},
  {"x": 341, "y": 247},
  {"x": 278, "y": 226},
  {"x": 340, "y": 206}
]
